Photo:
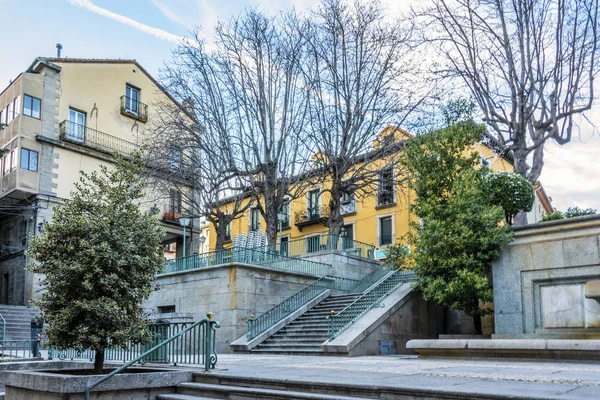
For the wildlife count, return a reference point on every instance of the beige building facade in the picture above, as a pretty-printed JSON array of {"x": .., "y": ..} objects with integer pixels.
[{"x": 59, "y": 117}]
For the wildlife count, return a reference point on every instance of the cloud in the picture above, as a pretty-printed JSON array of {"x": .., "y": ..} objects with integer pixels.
[
  {"x": 172, "y": 15},
  {"x": 159, "y": 33}
]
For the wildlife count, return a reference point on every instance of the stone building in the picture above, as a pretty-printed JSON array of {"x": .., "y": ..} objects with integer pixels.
[{"x": 58, "y": 117}]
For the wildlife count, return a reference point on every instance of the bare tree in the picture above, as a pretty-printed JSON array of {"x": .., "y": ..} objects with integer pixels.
[
  {"x": 359, "y": 80},
  {"x": 248, "y": 99},
  {"x": 178, "y": 161},
  {"x": 529, "y": 65}
]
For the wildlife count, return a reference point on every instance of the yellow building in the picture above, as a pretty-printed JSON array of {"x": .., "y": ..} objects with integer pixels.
[
  {"x": 59, "y": 117},
  {"x": 378, "y": 220}
]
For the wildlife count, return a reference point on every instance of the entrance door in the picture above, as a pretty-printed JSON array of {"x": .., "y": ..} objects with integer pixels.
[
  {"x": 284, "y": 246},
  {"x": 347, "y": 236},
  {"x": 5, "y": 280}
]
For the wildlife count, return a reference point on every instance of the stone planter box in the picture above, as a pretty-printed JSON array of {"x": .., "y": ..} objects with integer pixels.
[{"x": 137, "y": 384}]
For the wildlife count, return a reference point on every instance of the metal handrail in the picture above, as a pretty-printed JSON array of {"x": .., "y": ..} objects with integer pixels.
[
  {"x": 256, "y": 326},
  {"x": 342, "y": 320},
  {"x": 209, "y": 359},
  {"x": 271, "y": 259},
  {"x": 371, "y": 279},
  {"x": 82, "y": 135},
  {"x": 3, "y": 329},
  {"x": 323, "y": 242}
]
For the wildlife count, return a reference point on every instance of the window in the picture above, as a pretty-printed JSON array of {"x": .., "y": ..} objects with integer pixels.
[
  {"x": 6, "y": 164},
  {"x": 16, "y": 106},
  {"x": 165, "y": 309},
  {"x": 385, "y": 192},
  {"x": 1, "y": 120},
  {"x": 484, "y": 162},
  {"x": 175, "y": 202},
  {"x": 76, "y": 125},
  {"x": 9, "y": 113},
  {"x": 29, "y": 159},
  {"x": 313, "y": 244},
  {"x": 174, "y": 159},
  {"x": 254, "y": 219},
  {"x": 388, "y": 139},
  {"x": 285, "y": 209},
  {"x": 385, "y": 231},
  {"x": 132, "y": 97},
  {"x": 31, "y": 106},
  {"x": 313, "y": 204},
  {"x": 228, "y": 232},
  {"x": 13, "y": 159},
  {"x": 347, "y": 198}
]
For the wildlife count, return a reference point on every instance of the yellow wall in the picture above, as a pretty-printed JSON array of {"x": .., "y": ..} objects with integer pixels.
[
  {"x": 365, "y": 219},
  {"x": 84, "y": 84}
]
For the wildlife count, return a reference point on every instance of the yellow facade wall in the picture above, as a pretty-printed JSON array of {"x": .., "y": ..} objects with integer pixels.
[{"x": 364, "y": 219}]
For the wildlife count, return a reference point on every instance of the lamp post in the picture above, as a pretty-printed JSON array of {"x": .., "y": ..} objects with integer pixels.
[
  {"x": 184, "y": 221},
  {"x": 202, "y": 239},
  {"x": 280, "y": 217}
]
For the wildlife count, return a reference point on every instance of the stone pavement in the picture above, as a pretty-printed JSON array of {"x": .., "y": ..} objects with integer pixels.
[{"x": 506, "y": 379}]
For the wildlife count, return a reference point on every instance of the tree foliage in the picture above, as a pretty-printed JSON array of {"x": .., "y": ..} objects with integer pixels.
[
  {"x": 571, "y": 212},
  {"x": 98, "y": 257},
  {"x": 510, "y": 191},
  {"x": 460, "y": 230}
]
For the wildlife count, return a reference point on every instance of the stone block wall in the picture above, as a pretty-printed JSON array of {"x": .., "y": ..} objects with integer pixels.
[
  {"x": 540, "y": 281},
  {"x": 344, "y": 265},
  {"x": 231, "y": 292}
]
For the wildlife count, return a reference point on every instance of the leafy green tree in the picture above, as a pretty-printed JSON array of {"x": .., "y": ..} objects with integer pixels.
[
  {"x": 98, "y": 257},
  {"x": 511, "y": 191},
  {"x": 571, "y": 212},
  {"x": 460, "y": 231}
]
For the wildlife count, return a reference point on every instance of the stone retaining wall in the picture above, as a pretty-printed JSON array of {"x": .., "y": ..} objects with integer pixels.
[{"x": 544, "y": 281}]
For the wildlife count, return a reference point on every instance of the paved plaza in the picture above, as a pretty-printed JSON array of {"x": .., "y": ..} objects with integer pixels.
[{"x": 507, "y": 379}]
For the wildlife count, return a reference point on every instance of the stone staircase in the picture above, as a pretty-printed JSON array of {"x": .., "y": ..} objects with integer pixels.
[
  {"x": 18, "y": 321},
  {"x": 207, "y": 386},
  {"x": 305, "y": 334}
]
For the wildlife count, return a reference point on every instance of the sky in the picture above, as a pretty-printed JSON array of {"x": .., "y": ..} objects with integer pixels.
[{"x": 147, "y": 30}]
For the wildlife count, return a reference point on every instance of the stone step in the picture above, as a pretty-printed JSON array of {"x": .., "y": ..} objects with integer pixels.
[
  {"x": 253, "y": 393},
  {"x": 183, "y": 397},
  {"x": 299, "y": 335},
  {"x": 292, "y": 342}
]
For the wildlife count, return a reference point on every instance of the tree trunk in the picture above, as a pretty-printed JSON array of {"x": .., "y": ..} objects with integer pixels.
[
  {"x": 477, "y": 323},
  {"x": 335, "y": 221},
  {"x": 99, "y": 362},
  {"x": 220, "y": 229},
  {"x": 272, "y": 225}
]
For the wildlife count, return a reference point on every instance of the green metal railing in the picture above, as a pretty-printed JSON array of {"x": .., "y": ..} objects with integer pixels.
[
  {"x": 194, "y": 344},
  {"x": 371, "y": 299},
  {"x": 371, "y": 279},
  {"x": 271, "y": 259},
  {"x": 17, "y": 349},
  {"x": 256, "y": 326},
  {"x": 313, "y": 244},
  {"x": 3, "y": 328}
]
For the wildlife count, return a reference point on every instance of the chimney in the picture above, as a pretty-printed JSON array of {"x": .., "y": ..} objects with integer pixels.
[{"x": 58, "y": 49}]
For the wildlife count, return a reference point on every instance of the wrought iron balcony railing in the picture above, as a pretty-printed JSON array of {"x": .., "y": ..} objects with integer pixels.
[
  {"x": 311, "y": 216},
  {"x": 385, "y": 198},
  {"x": 84, "y": 136},
  {"x": 134, "y": 108}
]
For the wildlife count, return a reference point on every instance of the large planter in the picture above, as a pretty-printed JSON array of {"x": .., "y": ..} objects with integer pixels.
[{"x": 135, "y": 384}]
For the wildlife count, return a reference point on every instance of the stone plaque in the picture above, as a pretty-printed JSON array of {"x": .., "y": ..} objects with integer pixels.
[
  {"x": 592, "y": 313},
  {"x": 562, "y": 306}
]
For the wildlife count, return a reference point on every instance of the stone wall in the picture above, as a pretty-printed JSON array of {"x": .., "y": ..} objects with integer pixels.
[
  {"x": 343, "y": 264},
  {"x": 11, "y": 290},
  {"x": 231, "y": 292},
  {"x": 540, "y": 281}
]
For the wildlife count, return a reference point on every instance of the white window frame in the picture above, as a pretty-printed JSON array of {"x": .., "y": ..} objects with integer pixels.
[
  {"x": 379, "y": 218},
  {"x": 252, "y": 210},
  {"x": 319, "y": 200},
  {"x": 77, "y": 125},
  {"x": 129, "y": 100}
]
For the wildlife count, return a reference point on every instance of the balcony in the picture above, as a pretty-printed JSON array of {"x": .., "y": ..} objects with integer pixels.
[
  {"x": 315, "y": 215},
  {"x": 385, "y": 198},
  {"x": 93, "y": 139},
  {"x": 134, "y": 109}
]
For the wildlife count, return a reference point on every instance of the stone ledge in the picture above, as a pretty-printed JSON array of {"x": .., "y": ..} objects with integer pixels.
[{"x": 508, "y": 348}]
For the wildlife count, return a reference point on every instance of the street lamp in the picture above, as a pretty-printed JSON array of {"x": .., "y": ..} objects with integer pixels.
[
  {"x": 184, "y": 221},
  {"x": 202, "y": 239},
  {"x": 280, "y": 217}
]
